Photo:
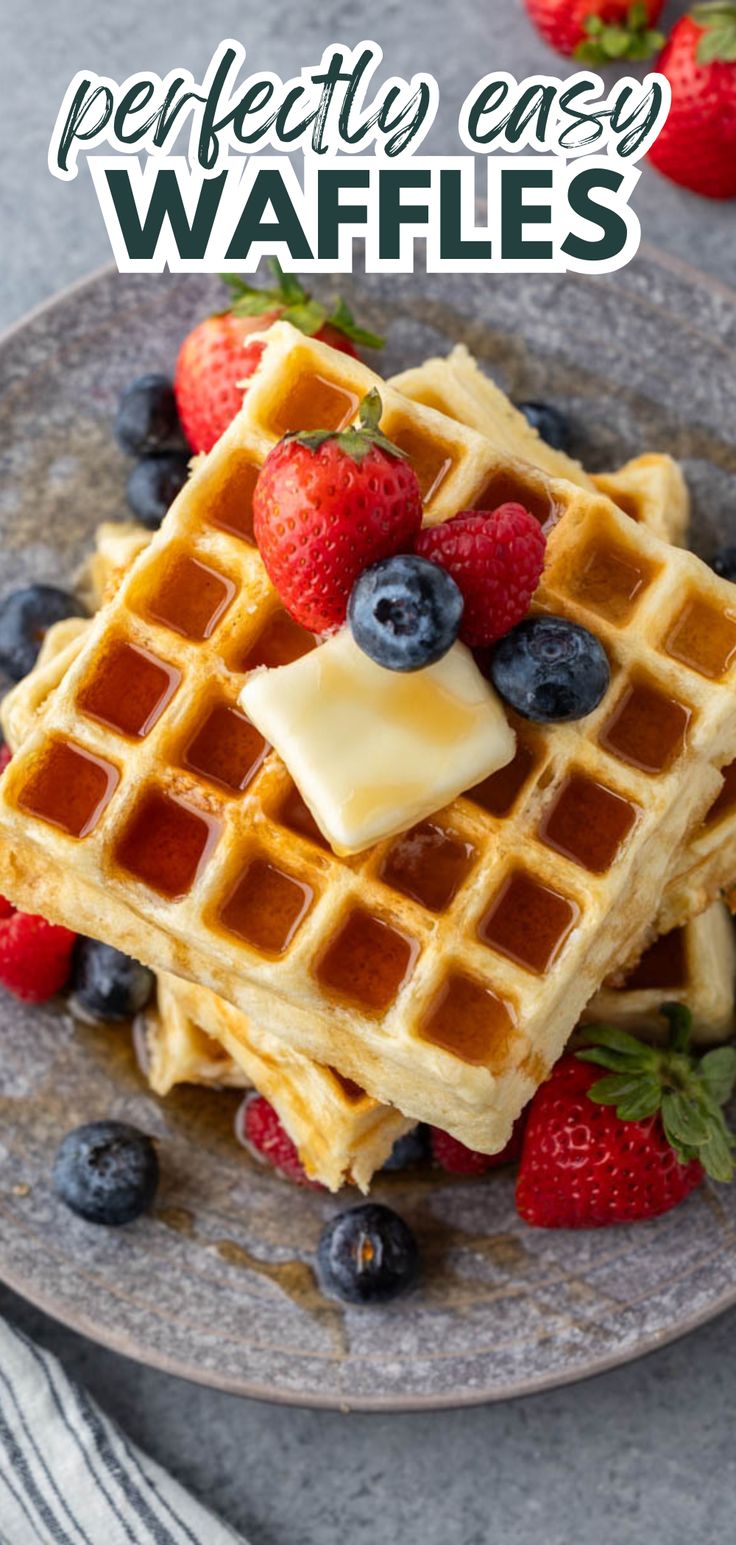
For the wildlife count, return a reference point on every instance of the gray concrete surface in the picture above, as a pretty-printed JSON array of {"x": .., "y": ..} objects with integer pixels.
[{"x": 643, "y": 1454}]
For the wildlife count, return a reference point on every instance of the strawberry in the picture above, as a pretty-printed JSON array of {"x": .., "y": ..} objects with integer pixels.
[
  {"x": 35, "y": 956},
  {"x": 598, "y": 31},
  {"x": 326, "y": 506},
  {"x": 456, "y": 1159},
  {"x": 216, "y": 358},
  {"x": 259, "y": 1129},
  {"x": 6, "y": 756},
  {"x": 632, "y": 1145},
  {"x": 697, "y": 145},
  {"x": 496, "y": 558}
]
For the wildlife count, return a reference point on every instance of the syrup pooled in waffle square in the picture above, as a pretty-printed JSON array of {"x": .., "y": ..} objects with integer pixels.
[{"x": 443, "y": 970}]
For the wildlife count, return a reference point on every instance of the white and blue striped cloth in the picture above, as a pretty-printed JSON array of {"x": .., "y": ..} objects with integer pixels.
[{"x": 68, "y": 1476}]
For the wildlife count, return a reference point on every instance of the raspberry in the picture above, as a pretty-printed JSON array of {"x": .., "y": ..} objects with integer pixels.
[
  {"x": 456, "y": 1159},
  {"x": 496, "y": 558},
  {"x": 35, "y": 956},
  {"x": 6, "y": 756},
  {"x": 259, "y": 1129}
]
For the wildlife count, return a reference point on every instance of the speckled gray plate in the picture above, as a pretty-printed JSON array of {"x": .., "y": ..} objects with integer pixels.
[{"x": 218, "y": 1285}]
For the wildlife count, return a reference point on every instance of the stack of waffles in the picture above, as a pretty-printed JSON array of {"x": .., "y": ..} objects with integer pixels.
[{"x": 438, "y": 976}]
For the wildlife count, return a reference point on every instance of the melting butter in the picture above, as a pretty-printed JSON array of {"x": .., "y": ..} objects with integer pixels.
[{"x": 373, "y": 751}]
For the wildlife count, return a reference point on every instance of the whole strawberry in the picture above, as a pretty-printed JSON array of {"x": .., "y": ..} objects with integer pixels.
[
  {"x": 216, "y": 358},
  {"x": 35, "y": 956},
  {"x": 496, "y": 559},
  {"x": 629, "y": 1146},
  {"x": 598, "y": 31},
  {"x": 259, "y": 1129},
  {"x": 697, "y": 145},
  {"x": 325, "y": 507}
]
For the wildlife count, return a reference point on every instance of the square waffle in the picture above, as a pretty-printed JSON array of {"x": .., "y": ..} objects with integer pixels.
[{"x": 126, "y": 813}]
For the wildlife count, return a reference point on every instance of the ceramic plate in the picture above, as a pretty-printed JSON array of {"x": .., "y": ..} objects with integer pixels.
[{"x": 217, "y": 1285}]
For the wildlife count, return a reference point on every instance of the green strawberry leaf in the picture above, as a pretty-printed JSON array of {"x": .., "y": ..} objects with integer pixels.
[
  {"x": 296, "y": 306},
  {"x": 618, "y": 1086},
  {"x": 680, "y": 1021},
  {"x": 618, "y": 1040},
  {"x": 642, "y": 1105},
  {"x": 306, "y": 315},
  {"x": 633, "y": 39},
  {"x": 716, "y": 1154},
  {"x": 615, "y": 42},
  {"x": 718, "y": 40},
  {"x": 357, "y": 440},
  {"x": 588, "y": 53},
  {"x": 683, "y": 1120},
  {"x": 247, "y": 300},
  {"x": 717, "y": 1070},
  {"x": 342, "y": 318},
  {"x": 289, "y": 288},
  {"x": 615, "y": 1061}
]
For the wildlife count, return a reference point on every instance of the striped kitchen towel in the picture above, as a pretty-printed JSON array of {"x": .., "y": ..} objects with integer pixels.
[{"x": 68, "y": 1476}]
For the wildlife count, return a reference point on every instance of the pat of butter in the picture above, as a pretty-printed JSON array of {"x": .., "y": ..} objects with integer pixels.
[{"x": 372, "y": 751}]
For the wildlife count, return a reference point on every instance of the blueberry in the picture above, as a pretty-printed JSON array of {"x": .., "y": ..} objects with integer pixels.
[
  {"x": 106, "y": 1172},
  {"x": 549, "y": 422},
  {"x": 153, "y": 485},
  {"x": 147, "y": 421},
  {"x": 550, "y": 669},
  {"x": 367, "y": 1255},
  {"x": 410, "y": 1149},
  {"x": 25, "y": 617},
  {"x": 723, "y": 562},
  {"x": 107, "y": 986},
  {"x": 405, "y": 612}
]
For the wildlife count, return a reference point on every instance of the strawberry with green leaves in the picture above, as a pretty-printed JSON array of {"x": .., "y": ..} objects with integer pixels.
[
  {"x": 697, "y": 145},
  {"x": 327, "y": 505},
  {"x": 216, "y": 358},
  {"x": 633, "y": 1144},
  {"x": 598, "y": 31}
]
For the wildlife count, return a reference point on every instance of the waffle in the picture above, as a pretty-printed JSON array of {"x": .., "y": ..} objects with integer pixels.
[
  {"x": 172, "y": 1049},
  {"x": 457, "y": 387},
  {"x": 117, "y": 545},
  {"x": 694, "y": 965},
  {"x": 340, "y": 1132},
  {"x": 445, "y": 1006},
  {"x": 651, "y": 488}
]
